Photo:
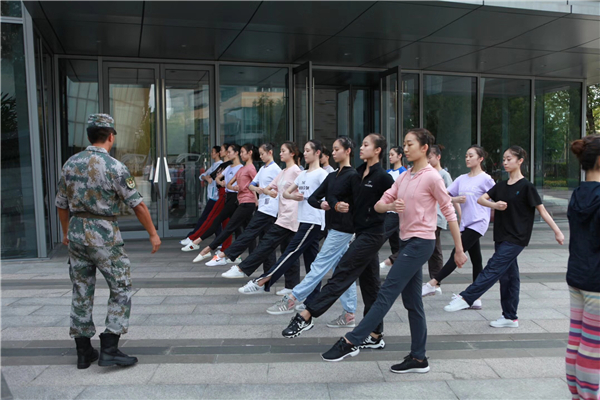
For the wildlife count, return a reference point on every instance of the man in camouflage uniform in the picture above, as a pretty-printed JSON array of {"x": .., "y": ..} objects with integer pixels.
[{"x": 92, "y": 186}]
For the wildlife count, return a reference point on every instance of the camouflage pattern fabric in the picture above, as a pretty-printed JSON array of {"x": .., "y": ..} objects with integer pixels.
[
  {"x": 101, "y": 121},
  {"x": 114, "y": 264},
  {"x": 94, "y": 182}
]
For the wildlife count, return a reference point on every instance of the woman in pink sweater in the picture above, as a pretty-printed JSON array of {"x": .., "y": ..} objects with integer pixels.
[{"x": 413, "y": 196}]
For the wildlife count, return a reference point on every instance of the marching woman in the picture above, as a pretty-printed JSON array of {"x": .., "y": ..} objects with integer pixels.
[
  {"x": 474, "y": 221},
  {"x": 230, "y": 205},
  {"x": 335, "y": 188},
  {"x": 246, "y": 200},
  {"x": 414, "y": 196},
  {"x": 212, "y": 193},
  {"x": 583, "y": 275},
  {"x": 436, "y": 261},
  {"x": 312, "y": 223},
  {"x": 515, "y": 202},
  {"x": 284, "y": 228},
  {"x": 262, "y": 220},
  {"x": 360, "y": 260},
  {"x": 392, "y": 223}
]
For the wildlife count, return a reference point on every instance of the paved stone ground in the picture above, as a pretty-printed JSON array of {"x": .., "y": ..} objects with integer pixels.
[{"x": 197, "y": 337}]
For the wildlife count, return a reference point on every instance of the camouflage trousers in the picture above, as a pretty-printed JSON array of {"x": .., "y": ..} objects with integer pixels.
[{"x": 114, "y": 264}]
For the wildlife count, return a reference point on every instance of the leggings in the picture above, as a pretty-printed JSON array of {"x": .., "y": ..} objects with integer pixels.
[
  {"x": 214, "y": 213},
  {"x": 238, "y": 221},
  {"x": 229, "y": 208},
  {"x": 470, "y": 242},
  {"x": 583, "y": 348},
  {"x": 205, "y": 213}
]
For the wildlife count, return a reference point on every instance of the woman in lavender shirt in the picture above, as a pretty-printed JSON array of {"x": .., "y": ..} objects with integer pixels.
[{"x": 474, "y": 221}]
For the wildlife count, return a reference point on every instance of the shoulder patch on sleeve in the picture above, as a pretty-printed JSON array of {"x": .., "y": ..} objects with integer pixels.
[{"x": 130, "y": 182}]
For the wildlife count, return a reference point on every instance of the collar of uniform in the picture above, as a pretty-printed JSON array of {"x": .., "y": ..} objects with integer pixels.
[{"x": 96, "y": 148}]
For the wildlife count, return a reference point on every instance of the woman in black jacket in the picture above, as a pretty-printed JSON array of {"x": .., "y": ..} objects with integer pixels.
[
  {"x": 361, "y": 260},
  {"x": 583, "y": 275}
]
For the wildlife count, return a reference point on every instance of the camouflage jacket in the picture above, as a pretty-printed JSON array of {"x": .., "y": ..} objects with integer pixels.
[{"x": 94, "y": 182}]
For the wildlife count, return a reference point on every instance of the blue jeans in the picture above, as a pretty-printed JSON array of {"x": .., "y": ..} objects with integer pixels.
[
  {"x": 334, "y": 247},
  {"x": 501, "y": 267}
]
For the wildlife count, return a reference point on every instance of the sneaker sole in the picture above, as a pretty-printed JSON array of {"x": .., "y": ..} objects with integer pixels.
[
  {"x": 188, "y": 249},
  {"x": 428, "y": 294},
  {"x": 257, "y": 292},
  {"x": 412, "y": 370},
  {"x": 214, "y": 265},
  {"x": 454, "y": 310},
  {"x": 341, "y": 326},
  {"x": 353, "y": 354},
  {"x": 280, "y": 312},
  {"x": 307, "y": 328},
  {"x": 234, "y": 277},
  {"x": 115, "y": 363},
  {"x": 475, "y": 308},
  {"x": 200, "y": 260},
  {"x": 504, "y": 326}
]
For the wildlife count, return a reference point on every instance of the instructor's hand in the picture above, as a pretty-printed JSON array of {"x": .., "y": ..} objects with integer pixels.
[
  {"x": 65, "y": 240},
  {"x": 155, "y": 241}
]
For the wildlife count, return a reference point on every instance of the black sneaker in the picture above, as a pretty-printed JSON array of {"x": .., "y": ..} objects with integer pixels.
[
  {"x": 410, "y": 365},
  {"x": 340, "y": 350},
  {"x": 371, "y": 343},
  {"x": 297, "y": 326}
]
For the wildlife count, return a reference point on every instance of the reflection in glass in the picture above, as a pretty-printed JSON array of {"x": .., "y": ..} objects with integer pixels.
[
  {"x": 505, "y": 121},
  {"x": 301, "y": 133},
  {"x": 133, "y": 106},
  {"x": 557, "y": 124},
  {"x": 188, "y": 143},
  {"x": 450, "y": 114},
  {"x": 10, "y": 8},
  {"x": 410, "y": 102},
  {"x": 389, "y": 111},
  {"x": 18, "y": 216},
  {"x": 79, "y": 99},
  {"x": 254, "y": 105}
]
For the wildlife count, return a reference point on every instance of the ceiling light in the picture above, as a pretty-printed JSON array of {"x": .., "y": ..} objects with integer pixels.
[
  {"x": 184, "y": 45},
  {"x": 269, "y": 50},
  {"x": 347, "y": 54},
  {"x": 543, "y": 65},
  {"x": 416, "y": 58}
]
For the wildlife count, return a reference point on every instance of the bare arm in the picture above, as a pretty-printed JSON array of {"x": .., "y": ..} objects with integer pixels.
[
  {"x": 231, "y": 183},
  {"x": 458, "y": 210},
  {"x": 290, "y": 195},
  {"x": 219, "y": 180},
  {"x": 143, "y": 215},
  {"x": 484, "y": 200},
  {"x": 558, "y": 235},
  {"x": 460, "y": 258},
  {"x": 63, "y": 215}
]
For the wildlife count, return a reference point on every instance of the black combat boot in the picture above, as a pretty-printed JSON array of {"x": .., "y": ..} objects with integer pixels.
[
  {"x": 110, "y": 354},
  {"x": 86, "y": 354}
]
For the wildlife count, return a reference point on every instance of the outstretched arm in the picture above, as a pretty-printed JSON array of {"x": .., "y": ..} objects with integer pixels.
[{"x": 558, "y": 235}]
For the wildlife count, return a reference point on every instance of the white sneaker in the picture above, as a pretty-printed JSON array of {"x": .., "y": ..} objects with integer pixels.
[
  {"x": 201, "y": 257},
  {"x": 233, "y": 273},
  {"x": 284, "y": 291},
  {"x": 186, "y": 241},
  {"x": 383, "y": 265},
  {"x": 237, "y": 260},
  {"x": 457, "y": 304},
  {"x": 476, "y": 305},
  {"x": 216, "y": 261},
  {"x": 300, "y": 307},
  {"x": 428, "y": 290},
  {"x": 251, "y": 288},
  {"x": 505, "y": 323},
  {"x": 190, "y": 247}
]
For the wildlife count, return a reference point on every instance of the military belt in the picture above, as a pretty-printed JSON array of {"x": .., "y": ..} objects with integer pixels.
[{"x": 112, "y": 218}]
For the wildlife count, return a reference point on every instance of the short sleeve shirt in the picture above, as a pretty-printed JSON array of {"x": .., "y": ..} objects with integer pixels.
[
  {"x": 229, "y": 173},
  {"x": 307, "y": 183},
  {"x": 515, "y": 224},
  {"x": 474, "y": 216},
  {"x": 264, "y": 177},
  {"x": 94, "y": 182}
]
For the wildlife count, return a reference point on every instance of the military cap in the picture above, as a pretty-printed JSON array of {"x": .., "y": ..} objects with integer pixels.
[{"x": 101, "y": 121}]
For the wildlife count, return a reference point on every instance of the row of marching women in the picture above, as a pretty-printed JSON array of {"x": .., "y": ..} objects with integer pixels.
[{"x": 356, "y": 210}]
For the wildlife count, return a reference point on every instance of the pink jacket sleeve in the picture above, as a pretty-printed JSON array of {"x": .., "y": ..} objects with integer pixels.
[{"x": 440, "y": 193}]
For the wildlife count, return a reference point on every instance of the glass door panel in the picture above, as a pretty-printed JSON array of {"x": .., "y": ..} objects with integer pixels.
[
  {"x": 303, "y": 103},
  {"x": 390, "y": 114},
  {"x": 187, "y": 143},
  {"x": 132, "y": 103}
]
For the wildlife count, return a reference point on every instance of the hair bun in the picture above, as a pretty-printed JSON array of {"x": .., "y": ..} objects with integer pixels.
[{"x": 578, "y": 147}]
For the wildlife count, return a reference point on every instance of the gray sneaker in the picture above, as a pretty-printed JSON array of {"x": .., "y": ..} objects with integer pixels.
[
  {"x": 284, "y": 306},
  {"x": 345, "y": 320}
]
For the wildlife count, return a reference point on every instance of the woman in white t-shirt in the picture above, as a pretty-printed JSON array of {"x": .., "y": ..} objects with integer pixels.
[{"x": 312, "y": 223}]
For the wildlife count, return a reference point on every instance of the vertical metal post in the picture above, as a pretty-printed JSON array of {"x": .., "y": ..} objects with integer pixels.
[
  {"x": 421, "y": 100},
  {"x": 532, "y": 133},
  {"x": 583, "y": 117},
  {"x": 291, "y": 103},
  {"x": 479, "y": 107},
  {"x": 34, "y": 134},
  {"x": 217, "y": 108},
  {"x": 101, "y": 103}
]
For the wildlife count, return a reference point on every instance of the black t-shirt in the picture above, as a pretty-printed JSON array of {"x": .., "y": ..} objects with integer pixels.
[{"x": 515, "y": 224}]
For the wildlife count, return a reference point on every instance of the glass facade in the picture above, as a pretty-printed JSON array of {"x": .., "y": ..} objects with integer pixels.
[
  {"x": 410, "y": 102},
  {"x": 505, "y": 121},
  {"x": 79, "y": 98},
  {"x": 10, "y": 8},
  {"x": 253, "y": 105},
  {"x": 557, "y": 124},
  {"x": 19, "y": 232},
  {"x": 450, "y": 114}
]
